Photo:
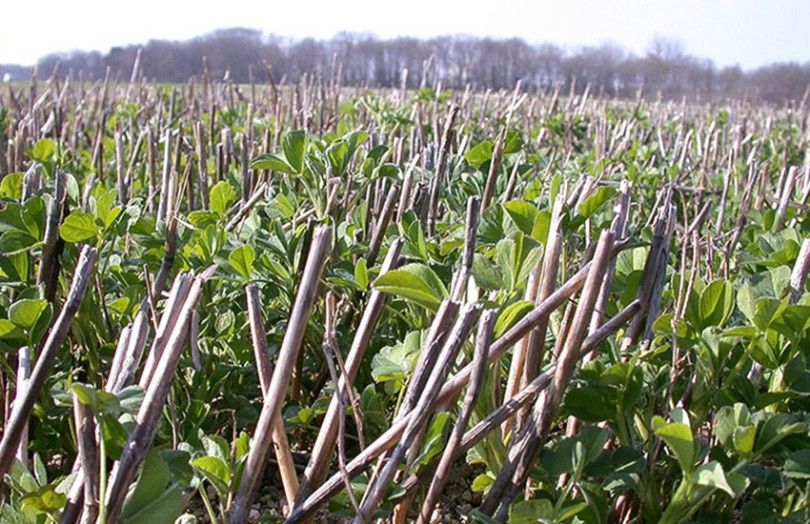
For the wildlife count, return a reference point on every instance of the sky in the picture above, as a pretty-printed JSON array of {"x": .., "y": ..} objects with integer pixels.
[{"x": 749, "y": 33}]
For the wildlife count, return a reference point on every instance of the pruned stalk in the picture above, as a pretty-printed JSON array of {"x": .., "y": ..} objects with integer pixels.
[
  {"x": 450, "y": 389},
  {"x": 439, "y": 331},
  {"x": 47, "y": 272},
  {"x": 799, "y": 273},
  {"x": 47, "y": 356},
  {"x": 378, "y": 233},
  {"x": 470, "y": 229},
  {"x": 140, "y": 437},
  {"x": 441, "y": 165},
  {"x": 422, "y": 411},
  {"x": 288, "y": 354},
  {"x": 88, "y": 457},
  {"x": 659, "y": 250},
  {"x": 326, "y": 439},
  {"x": 246, "y": 207},
  {"x": 526, "y": 449},
  {"x": 494, "y": 419},
  {"x": 485, "y": 327},
  {"x": 494, "y": 167},
  {"x": 289, "y": 478}
]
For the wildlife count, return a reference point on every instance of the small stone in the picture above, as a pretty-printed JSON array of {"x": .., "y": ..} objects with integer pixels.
[{"x": 254, "y": 515}]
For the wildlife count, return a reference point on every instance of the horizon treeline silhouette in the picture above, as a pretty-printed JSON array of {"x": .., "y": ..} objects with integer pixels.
[{"x": 243, "y": 55}]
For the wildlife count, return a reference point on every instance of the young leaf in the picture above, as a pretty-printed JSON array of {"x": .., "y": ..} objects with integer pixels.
[
  {"x": 44, "y": 500},
  {"x": 221, "y": 196},
  {"x": 294, "y": 145},
  {"x": 480, "y": 154},
  {"x": 150, "y": 487},
  {"x": 163, "y": 510},
  {"x": 79, "y": 227},
  {"x": 241, "y": 259},
  {"x": 273, "y": 163},
  {"x": 679, "y": 440},
  {"x": 523, "y": 214},
  {"x": 416, "y": 282},
  {"x": 24, "y": 313},
  {"x": 711, "y": 475},
  {"x": 512, "y": 314},
  {"x": 361, "y": 273},
  {"x": 716, "y": 304},
  {"x": 216, "y": 472}
]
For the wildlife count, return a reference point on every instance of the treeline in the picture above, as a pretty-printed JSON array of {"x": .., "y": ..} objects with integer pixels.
[{"x": 456, "y": 61}]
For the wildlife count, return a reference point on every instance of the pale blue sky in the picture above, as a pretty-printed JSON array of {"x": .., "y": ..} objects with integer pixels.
[{"x": 746, "y": 32}]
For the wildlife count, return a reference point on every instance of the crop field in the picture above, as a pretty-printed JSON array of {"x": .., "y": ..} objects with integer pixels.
[{"x": 311, "y": 303}]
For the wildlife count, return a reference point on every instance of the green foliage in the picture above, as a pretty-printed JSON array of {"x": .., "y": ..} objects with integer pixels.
[
  {"x": 415, "y": 282},
  {"x": 703, "y": 419}
]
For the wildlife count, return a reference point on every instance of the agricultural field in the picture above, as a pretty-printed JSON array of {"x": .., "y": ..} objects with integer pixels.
[{"x": 312, "y": 303}]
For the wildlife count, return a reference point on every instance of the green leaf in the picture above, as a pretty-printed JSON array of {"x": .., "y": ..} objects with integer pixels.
[
  {"x": 361, "y": 273},
  {"x": 480, "y": 154},
  {"x": 13, "y": 242},
  {"x": 216, "y": 446},
  {"x": 24, "y": 313},
  {"x": 162, "y": 510},
  {"x": 9, "y": 330},
  {"x": 486, "y": 274},
  {"x": 766, "y": 310},
  {"x": 531, "y": 511},
  {"x": 678, "y": 438},
  {"x": 728, "y": 419},
  {"x": 179, "y": 464},
  {"x": 513, "y": 142},
  {"x": 150, "y": 488},
  {"x": 106, "y": 210},
  {"x": 434, "y": 440},
  {"x": 743, "y": 438},
  {"x": 44, "y": 500},
  {"x": 416, "y": 282},
  {"x": 203, "y": 219},
  {"x": 481, "y": 482},
  {"x": 12, "y": 515},
  {"x": 272, "y": 163},
  {"x": 711, "y": 475},
  {"x": 523, "y": 214},
  {"x": 395, "y": 363},
  {"x": 592, "y": 204},
  {"x": 294, "y": 145},
  {"x": 40, "y": 473},
  {"x": 216, "y": 472},
  {"x": 590, "y": 404},
  {"x": 11, "y": 186},
  {"x": 776, "y": 428},
  {"x": 511, "y": 315},
  {"x": 241, "y": 259},
  {"x": 102, "y": 402},
  {"x": 43, "y": 151},
  {"x": 33, "y": 216},
  {"x": 221, "y": 196},
  {"x": 716, "y": 304},
  {"x": 79, "y": 227},
  {"x": 793, "y": 321},
  {"x": 242, "y": 446},
  {"x": 797, "y": 466}
]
